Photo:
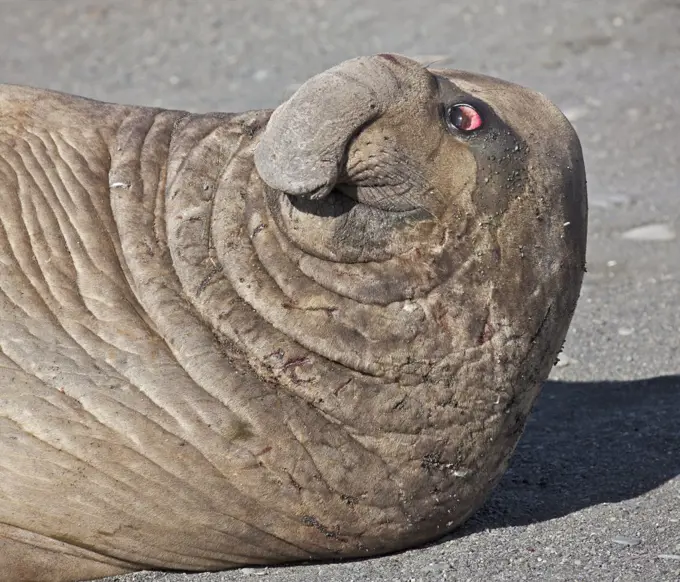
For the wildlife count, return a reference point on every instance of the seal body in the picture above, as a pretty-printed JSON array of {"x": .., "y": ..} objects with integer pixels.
[{"x": 274, "y": 336}]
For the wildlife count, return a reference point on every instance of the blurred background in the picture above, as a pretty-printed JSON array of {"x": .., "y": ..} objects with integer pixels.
[{"x": 593, "y": 492}]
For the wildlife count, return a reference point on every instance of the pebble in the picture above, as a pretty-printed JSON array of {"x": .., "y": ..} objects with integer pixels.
[
  {"x": 625, "y": 541},
  {"x": 633, "y": 113},
  {"x": 626, "y": 331},
  {"x": 436, "y": 567},
  {"x": 563, "y": 361},
  {"x": 651, "y": 232},
  {"x": 576, "y": 113},
  {"x": 608, "y": 201}
]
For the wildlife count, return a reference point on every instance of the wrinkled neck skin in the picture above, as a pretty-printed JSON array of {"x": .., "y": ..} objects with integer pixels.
[
  {"x": 404, "y": 344},
  {"x": 382, "y": 285}
]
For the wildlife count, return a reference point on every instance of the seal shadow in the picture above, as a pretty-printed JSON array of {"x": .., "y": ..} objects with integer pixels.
[{"x": 587, "y": 443}]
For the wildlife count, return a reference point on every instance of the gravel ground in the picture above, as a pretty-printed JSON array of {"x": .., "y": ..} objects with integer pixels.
[{"x": 593, "y": 493}]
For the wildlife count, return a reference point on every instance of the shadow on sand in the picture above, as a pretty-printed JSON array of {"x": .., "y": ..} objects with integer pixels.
[{"x": 585, "y": 444}]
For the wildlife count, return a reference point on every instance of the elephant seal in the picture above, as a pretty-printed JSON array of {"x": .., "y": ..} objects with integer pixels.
[{"x": 268, "y": 337}]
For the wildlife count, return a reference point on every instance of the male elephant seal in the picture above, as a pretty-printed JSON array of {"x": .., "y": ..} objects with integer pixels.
[{"x": 272, "y": 337}]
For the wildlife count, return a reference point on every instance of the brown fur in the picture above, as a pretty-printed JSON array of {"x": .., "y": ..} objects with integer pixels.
[{"x": 227, "y": 340}]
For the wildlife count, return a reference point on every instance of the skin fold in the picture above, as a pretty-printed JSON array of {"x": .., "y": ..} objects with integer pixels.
[{"x": 268, "y": 337}]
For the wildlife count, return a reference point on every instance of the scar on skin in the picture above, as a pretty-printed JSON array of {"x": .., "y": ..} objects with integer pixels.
[{"x": 389, "y": 57}]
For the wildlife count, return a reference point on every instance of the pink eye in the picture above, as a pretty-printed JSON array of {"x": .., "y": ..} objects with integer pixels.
[{"x": 463, "y": 117}]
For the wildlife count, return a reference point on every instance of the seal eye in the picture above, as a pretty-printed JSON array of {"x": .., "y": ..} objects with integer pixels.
[{"x": 463, "y": 117}]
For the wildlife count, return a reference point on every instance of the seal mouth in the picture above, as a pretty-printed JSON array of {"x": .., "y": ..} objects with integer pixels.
[
  {"x": 331, "y": 204},
  {"x": 347, "y": 225},
  {"x": 342, "y": 199}
]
